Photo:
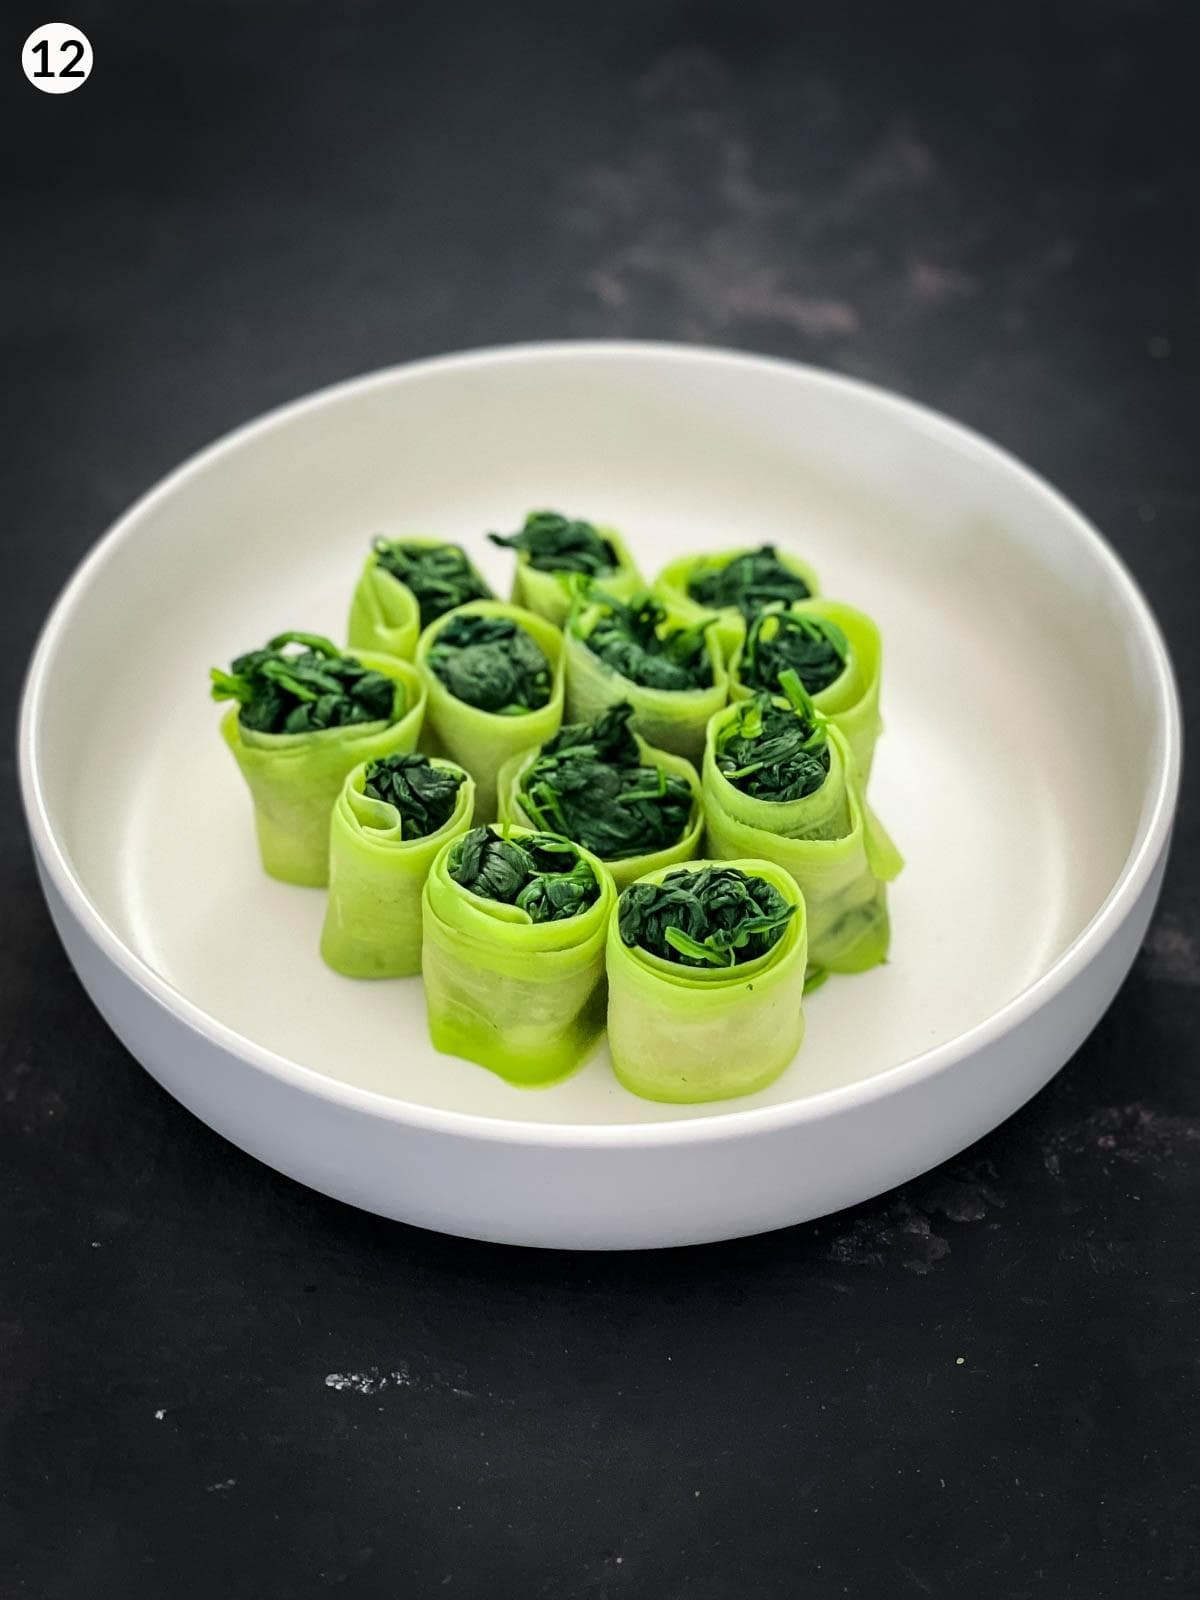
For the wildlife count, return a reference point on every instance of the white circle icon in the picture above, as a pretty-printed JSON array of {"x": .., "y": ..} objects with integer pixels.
[{"x": 57, "y": 58}]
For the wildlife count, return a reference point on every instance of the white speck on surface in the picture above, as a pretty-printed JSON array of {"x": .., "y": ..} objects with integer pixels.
[
  {"x": 160, "y": 1414},
  {"x": 371, "y": 1381},
  {"x": 959, "y": 1360},
  {"x": 95, "y": 1244},
  {"x": 374, "y": 1380},
  {"x": 225, "y": 1483}
]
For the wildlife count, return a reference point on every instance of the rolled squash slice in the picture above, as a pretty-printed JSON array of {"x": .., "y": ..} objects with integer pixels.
[
  {"x": 390, "y": 821},
  {"x": 306, "y": 713},
  {"x": 706, "y": 967},
  {"x": 634, "y": 807},
  {"x": 513, "y": 952},
  {"x": 641, "y": 652},
  {"x": 553, "y": 550},
  {"x": 781, "y": 783},
  {"x": 735, "y": 585},
  {"x": 494, "y": 678},
  {"x": 404, "y": 586}
]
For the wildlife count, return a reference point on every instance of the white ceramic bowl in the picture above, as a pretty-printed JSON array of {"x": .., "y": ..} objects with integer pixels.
[{"x": 1029, "y": 772}]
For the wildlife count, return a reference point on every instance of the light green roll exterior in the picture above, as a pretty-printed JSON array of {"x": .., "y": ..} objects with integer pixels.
[
  {"x": 669, "y": 719},
  {"x": 295, "y": 778},
  {"x": 524, "y": 999},
  {"x": 672, "y": 582},
  {"x": 549, "y": 594},
  {"x": 851, "y": 702},
  {"x": 689, "y": 1034},
  {"x": 376, "y": 878},
  {"x": 832, "y": 844},
  {"x": 630, "y": 867},
  {"x": 384, "y": 614},
  {"x": 478, "y": 740}
]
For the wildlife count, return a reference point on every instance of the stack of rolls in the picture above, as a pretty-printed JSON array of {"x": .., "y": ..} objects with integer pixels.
[{"x": 599, "y": 803}]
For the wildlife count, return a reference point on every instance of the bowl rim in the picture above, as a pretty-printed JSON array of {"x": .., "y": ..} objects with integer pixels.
[{"x": 1150, "y": 842}]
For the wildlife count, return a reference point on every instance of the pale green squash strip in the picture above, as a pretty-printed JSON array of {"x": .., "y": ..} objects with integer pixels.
[
  {"x": 688, "y": 1034},
  {"x": 295, "y": 778},
  {"x": 372, "y": 923},
  {"x": 832, "y": 844},
  {"x": 669, "y": 719},
  {"x": 384, "y": 615},
  {"x": 482, "y": 741},
  {"x": 524, "y": 999},
  {"x": 549, "y": 594}
]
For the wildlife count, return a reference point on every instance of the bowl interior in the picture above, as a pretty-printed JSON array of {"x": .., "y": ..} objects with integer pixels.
[{"x": 1022, "y": 737}]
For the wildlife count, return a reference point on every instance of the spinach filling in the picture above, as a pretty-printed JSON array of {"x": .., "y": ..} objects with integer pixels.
[
  {"x": 814, "y": 649},
  {"x": 555, "y": 543},
  {"x": 589, "y": 784},
  {"x": 424, "y": 795},
  {"x": 440, "y": 576},
  {"x": 637, "y": 641},
  {"x": 713, "y": 917},
  {"x": 307, "y": 691},
  {"x": 776, "y": 751},
  {"x": 750, "y": 582},
  {"x": 493, "y": 664},
  {"x": 542, "y": 875}
]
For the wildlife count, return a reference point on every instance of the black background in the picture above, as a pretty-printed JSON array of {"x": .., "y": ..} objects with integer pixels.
[{"x": 984, "y": 1384}]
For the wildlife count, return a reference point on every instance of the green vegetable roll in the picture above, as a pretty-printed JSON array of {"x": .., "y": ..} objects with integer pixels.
[
  {"x": 836, "y": 653},
  {"x": 781, "y": 783},
  {"x": 405, "y": 585},
  {"x": 513, "y": 952},
  {"x": 706, "y": 970},
  {"x": 390, "y": 820},
  {"x": 635, "y": 808},
  {"x": 494, "y": 675},
  {"x": 304, "y": 717},
  {"x": 735, "y": 585},
  {"x": 553, "y": 549},
  {"x": 669, "y": 670}
]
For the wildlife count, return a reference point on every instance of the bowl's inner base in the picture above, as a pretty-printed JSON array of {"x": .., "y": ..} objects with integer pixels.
[{"x": 998, "y": 773}]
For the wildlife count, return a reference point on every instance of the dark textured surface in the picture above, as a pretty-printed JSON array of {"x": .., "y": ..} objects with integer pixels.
[{"x": 215, "y": 1383}]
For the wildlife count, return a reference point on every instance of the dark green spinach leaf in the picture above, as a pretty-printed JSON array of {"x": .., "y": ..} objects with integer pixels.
[
  {"x": 713, "y": 917},
  {"x": 439, "y": 575},
  {"x": 815, "y": 649},
  {"x": 543, "y": 875},
  {"x": 424, "y": 795},
  {"x": 589, "y": 784},
  {"x": 776, "y": 750},
  {"x": 307, "y": 691},
  {"x": 637, "y": 641},
  {"x": 493, "y": 664},
  {"x": 555, "y": 543},
  {"x": 751, "y": 581}
]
